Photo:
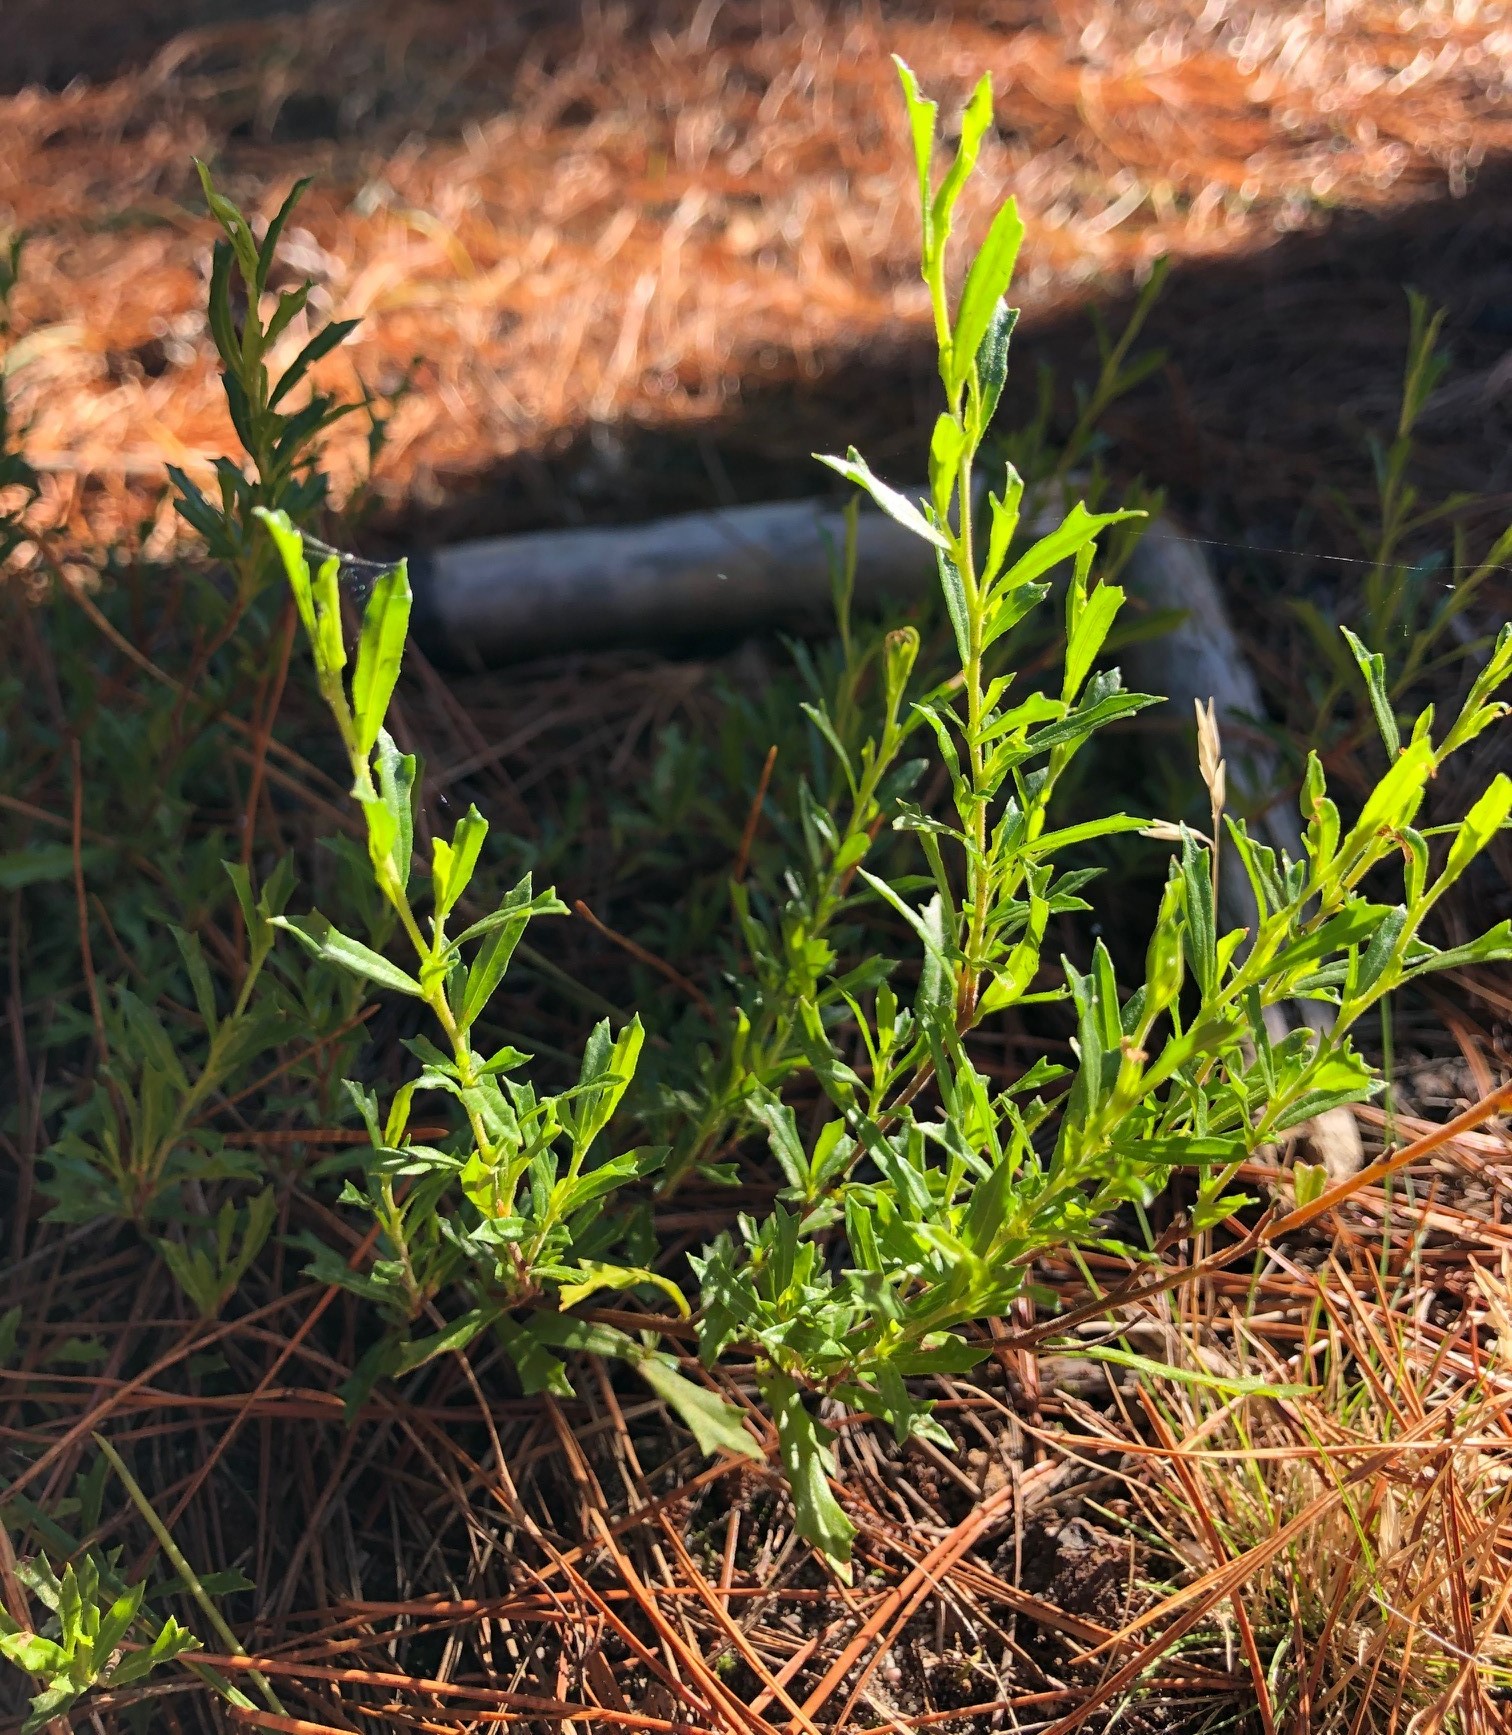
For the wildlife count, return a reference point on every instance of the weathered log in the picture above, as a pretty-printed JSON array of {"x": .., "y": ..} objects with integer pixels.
[{"x": 703, "y": 575}]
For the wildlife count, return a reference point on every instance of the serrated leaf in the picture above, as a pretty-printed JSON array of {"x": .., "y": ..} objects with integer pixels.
[
  {"x": 809, "y": 1462},
  {"x": 716, "y": 1425},
  {"x": 1373, "y": 668},
  {"x": 453, "y": 863}
]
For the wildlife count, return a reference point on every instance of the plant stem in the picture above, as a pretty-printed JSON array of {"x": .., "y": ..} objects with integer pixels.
[{"x": 183, "y": 1568}]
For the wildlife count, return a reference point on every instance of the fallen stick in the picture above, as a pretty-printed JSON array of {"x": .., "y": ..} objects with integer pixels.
[{"x": 703, "y": 575}]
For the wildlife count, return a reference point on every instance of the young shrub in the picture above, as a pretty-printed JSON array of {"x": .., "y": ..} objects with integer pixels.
[
  {"x": 917, "y": 1202},
  {"x": 923, "y": 1200},
  {"x": 529, "y": 1234},
  {"x": 138, "y": 1144}
]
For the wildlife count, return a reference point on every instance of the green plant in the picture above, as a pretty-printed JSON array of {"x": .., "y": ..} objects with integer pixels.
[
  {"x": 918, "y": 1188},
  {"x": 920, "y": 1203},
  {"x": 1404, "y": 608},
  {"x": 533, "y": 1169},
  {"x": 82, "y": 1645},
  {"x": 281, "y": 438},
  {"x": 196, "y": 1012},
  {"x": 141, "y": 1135}
]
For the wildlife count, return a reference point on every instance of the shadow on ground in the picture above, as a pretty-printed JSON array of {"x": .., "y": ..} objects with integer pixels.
[{"x": 1279, "y": 368}]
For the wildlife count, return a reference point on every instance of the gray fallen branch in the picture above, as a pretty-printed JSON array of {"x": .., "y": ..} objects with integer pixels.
[{"x": 702, "y": 575}]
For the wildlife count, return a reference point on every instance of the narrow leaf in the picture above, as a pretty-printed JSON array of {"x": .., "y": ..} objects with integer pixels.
[{"x": 380, "y": 650}]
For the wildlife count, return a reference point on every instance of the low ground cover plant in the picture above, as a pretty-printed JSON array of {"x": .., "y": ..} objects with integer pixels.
[{"x": 917, "y": 1190}]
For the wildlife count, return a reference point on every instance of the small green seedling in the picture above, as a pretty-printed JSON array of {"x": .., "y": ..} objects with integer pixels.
[{"x": 87, "y": 1642}]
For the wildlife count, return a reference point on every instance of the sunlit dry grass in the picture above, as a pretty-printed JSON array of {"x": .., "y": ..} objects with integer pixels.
[
  {"x": 591, "y": 221},
  {"x": 1347, "y": 1544}
]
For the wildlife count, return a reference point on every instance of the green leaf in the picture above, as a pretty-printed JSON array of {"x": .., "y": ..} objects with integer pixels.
[
  {"x": 1392, "y": 804},
  {"x": 1075, "y": 532},
  {"x": 809, "y": 1462},
  {"x": 455, "y": 1336},
  {"x": 453, "y": 863},
  {"x": 317, "y": 935},
  {"x": 926, "y": 923},
  {"x": 380, "y": 650},
  {"x": 539, "y": 1370},
  {"x": 1050, "y": 842},
  {"x": 981, "y": 296},
  {"x": 115, "y": 1623},
  {"x": 51, "y": 1703},
  {"x": 328, "y": 643},
  {"x": 269, "y": 249},
  {"x": 1479, "y": 826},
  {"x": 1373, "y": 668},
  {"x": 975, "y": 120},
  {"x": 594, "y": 1275},
  {"x": 897, "y": 506},
  {"x": 782, "y": 1137},
  {"x": 193, "y": 955},
  {"x": 33, "y": 1653},
  {"x": 945, "y": 1354},
  {"x": 1009, "y": 608},
  {"x": 487, "y": 969},
  {"x": 235, "y": 225},
  {"x": 31, "y": 867},
  {"x": 716, "y": 1425},
  {"x": 1093, "y": 623},
  {"x": 922, "y": 115},
  {"x": 1232, "y": 1385},
  {"x": 323, "y": 342},
  {"x": 992, "y": 364},
  {"x": 956, "y": 606},
  {"x": 172, "y": 1640},
  {"x": 290, "y": 545},
  {"x": 1355, "y": 924},
  {"x": 1201, "y": 919},
  {"x": 605, "y": 1077},
  {"x": 1338, "y": 1079},
  {"x": 1005, "y": 521},
  {"x": 1492, "y": 947},
  {"x": 1309, "y": 1182},
  {"x": 946, "y": 446},
  {"x": 396, "y": 784}
]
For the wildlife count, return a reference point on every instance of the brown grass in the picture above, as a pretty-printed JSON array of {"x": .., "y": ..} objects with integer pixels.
[{"x": 547, "y": 225}]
